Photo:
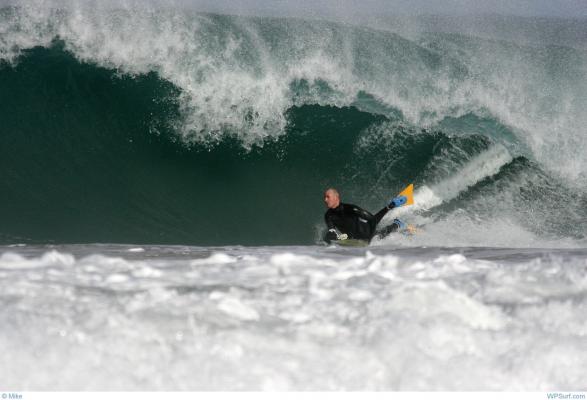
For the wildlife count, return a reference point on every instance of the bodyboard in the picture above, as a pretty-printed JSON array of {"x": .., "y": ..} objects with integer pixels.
[{"x": 351, "y": 243}]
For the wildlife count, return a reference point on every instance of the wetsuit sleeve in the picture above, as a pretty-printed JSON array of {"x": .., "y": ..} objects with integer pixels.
[
  {"x": 328, "y": 220},
  {"x": 330, "y": 235},
  {"x": 362, "y": 213}
]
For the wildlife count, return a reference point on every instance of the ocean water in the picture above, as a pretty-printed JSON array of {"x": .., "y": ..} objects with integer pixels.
[{"x": 161, "y": 179}]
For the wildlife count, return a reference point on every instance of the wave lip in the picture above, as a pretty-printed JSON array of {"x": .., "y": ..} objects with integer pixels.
[{"x": 240, "y": 75}]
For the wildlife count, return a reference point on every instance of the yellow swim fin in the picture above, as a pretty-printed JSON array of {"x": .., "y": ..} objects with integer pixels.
[{"x": 408, "y": 193}]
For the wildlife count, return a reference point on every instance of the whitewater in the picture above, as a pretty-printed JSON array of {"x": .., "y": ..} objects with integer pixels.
[
  {"x": 299, "y": 318},
  {"x": 161, "y": 216}
]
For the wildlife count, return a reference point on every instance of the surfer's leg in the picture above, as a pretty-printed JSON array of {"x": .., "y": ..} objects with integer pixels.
[
  {"x": 387, "y": 230},
  {"x": 377, "y": 217}
]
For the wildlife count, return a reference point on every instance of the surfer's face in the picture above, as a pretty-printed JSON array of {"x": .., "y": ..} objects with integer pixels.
[{"x": 331, "y": 199}]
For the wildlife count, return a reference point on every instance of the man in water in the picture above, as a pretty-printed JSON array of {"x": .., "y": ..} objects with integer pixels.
[{"x": 347, "y": 221}]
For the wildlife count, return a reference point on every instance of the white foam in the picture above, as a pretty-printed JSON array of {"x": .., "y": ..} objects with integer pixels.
[
  {"x": 462, "y": 229},
  {"x": 237, "y": 309},
  {"x": 422, "y": 300},
  {"x": 214, "y": 259},
  {"x": 50, "y": 258},
  {"x": 217, "y": 331}
]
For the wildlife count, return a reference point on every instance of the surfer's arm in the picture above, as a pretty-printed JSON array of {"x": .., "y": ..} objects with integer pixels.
[
  {"x": 332, "y": 233},
  {"x": 328, "y": 221}
]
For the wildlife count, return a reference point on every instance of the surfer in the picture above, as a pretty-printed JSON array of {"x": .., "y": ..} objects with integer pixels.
[{"x": 348, "y": 221}]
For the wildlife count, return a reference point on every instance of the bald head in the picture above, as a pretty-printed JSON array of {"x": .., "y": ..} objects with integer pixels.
[{"x": 331, "y": 198}]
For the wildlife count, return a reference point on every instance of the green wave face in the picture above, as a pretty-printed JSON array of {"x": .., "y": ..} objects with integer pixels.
[{"x": 231, "y": 128}]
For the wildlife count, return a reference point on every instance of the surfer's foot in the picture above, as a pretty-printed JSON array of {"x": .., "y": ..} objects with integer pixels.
[{"x": 399, "y": 224}]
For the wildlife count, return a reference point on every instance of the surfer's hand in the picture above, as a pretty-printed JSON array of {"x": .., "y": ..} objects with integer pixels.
[
  {"x": 334, "y": 234},
  {"x": 331, "y": 235}
]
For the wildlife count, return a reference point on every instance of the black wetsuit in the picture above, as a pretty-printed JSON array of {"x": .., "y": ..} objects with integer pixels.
[{"x": 355, "y": 222}]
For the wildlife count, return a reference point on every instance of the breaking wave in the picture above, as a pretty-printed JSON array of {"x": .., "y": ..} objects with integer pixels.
[{"x": 154, "y": 126}]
